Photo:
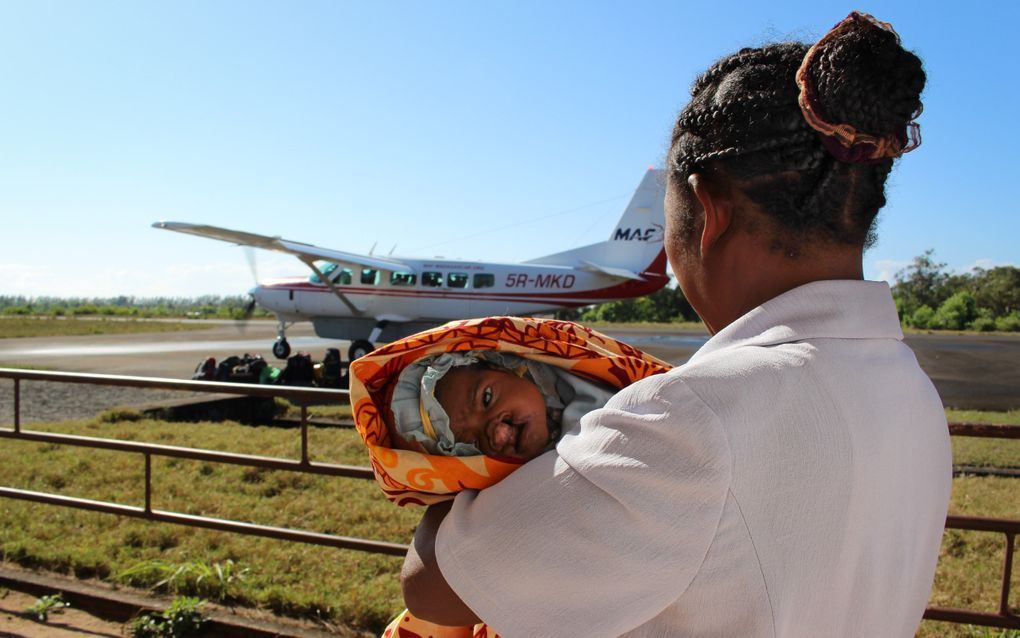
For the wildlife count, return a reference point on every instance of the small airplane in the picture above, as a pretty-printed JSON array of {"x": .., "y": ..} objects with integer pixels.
[{"x": 366, "y": 298}]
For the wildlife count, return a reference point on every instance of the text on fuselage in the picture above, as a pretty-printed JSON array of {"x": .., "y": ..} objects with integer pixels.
[{"x": 521, "y": 279}]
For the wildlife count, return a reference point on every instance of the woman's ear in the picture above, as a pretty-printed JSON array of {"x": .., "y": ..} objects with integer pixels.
[{"x": 717, "y": 211}]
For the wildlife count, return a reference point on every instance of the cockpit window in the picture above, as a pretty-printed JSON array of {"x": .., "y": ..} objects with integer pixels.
[
  {"x": 403, "y": 278},
  {"x": 344, "y": 278},
  {"x": 325, "y": 268}
]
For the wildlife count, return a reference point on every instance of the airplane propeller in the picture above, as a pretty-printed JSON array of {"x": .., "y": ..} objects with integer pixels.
[{"x": 249, "y": 309}]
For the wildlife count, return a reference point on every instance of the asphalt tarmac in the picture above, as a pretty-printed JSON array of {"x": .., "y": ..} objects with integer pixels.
[{"x": 973, "y": 372}]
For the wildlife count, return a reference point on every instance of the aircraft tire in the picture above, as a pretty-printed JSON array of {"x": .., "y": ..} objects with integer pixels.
[
  {"x": 359, "y": 348},
  {"x": 281, "y": 349}
]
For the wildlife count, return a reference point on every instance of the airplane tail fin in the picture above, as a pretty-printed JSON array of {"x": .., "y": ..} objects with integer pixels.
[{"x": 634, "y": 249}]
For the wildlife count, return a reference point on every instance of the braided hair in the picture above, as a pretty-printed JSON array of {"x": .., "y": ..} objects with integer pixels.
[{"x": 745, "y": 130}]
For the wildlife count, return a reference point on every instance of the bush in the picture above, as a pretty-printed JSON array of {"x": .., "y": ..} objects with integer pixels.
[
  {"x": 181, "y": 619},
  {"x": 921, "y": 318},
  {"x": 957, "y": 311},
  {"x": 87, "y": 309},
  {"x": 1009, "y": 323},
  {"x": 982, "y": 324}
]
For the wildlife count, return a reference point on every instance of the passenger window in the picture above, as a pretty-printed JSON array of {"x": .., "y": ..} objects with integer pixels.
[
  {"x": 457, "y": 280},
  {"x": 369, "y": 276},
  {"x": 402, "y": 278},
  {"x": 433, "y": 279},
  {"x": 484, "y": 280},
  {"x": 344, "y": 278}
]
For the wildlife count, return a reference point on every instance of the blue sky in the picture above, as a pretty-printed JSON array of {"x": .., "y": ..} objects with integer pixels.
[{"x": 483, "y": 130}]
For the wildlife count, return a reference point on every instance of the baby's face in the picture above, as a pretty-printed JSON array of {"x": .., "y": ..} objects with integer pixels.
[{"x": 496, "y": 411}]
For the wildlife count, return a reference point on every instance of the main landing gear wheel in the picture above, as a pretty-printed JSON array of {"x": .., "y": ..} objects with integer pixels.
[
  {"x": 281, "y": 349},
  {"x": 359, "y": 348}
]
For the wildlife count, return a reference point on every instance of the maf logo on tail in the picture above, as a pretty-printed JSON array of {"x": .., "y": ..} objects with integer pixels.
[{"x": 653, "y": 233}]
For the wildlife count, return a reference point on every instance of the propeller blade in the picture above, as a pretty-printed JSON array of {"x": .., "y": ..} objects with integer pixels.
[
  {"x": 249, "y": 254},
  {"x": 242, "y": 322}
]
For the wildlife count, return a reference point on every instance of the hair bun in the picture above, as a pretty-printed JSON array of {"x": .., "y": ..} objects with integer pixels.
[{"x": 861, "y": 89}]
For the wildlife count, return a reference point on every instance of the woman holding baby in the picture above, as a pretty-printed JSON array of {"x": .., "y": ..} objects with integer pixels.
[{"x": 792, "y": 478}]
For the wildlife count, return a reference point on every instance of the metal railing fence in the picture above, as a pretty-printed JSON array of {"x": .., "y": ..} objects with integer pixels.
[
  {"x": 303, "y": 396},
  {"x": 300, "y": 395}
]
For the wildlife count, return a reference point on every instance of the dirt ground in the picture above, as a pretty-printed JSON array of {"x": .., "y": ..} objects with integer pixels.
[{"x": 68, "y": 623}]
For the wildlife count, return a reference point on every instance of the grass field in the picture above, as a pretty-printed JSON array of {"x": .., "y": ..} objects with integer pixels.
[
  {"x": 14, "y": 326},
  {"x": 353, "y": 588}
]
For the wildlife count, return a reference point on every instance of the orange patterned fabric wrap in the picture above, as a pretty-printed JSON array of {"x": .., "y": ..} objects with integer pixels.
[{"x": 413, "y": 478}]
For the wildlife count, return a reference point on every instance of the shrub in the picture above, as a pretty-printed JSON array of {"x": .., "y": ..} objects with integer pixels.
[
  {"x": 41, "y": 609},
  {"x": 181, "y": 619},
  {"x": 982, "y": 324},
  {"x": 921, "y": 318},
  {"x": 956, "y": 312},
  {"x": 1009, "y": 323}
]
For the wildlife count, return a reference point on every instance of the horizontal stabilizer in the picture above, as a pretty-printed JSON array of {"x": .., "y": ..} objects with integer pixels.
[
  {"x": 300, "y": 250},
  {"x": 622, "y": 273}
]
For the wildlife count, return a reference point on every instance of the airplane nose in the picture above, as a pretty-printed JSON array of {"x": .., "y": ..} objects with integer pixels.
[{"x": 251, "y": 291}]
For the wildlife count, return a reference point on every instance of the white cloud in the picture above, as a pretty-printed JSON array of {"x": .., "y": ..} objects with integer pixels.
[
  {"x": 984, "y": 263},
  {"x": 886, "y": 269}
]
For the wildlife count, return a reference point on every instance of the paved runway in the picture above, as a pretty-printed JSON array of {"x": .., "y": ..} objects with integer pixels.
[{"x": 969, "y": 371}]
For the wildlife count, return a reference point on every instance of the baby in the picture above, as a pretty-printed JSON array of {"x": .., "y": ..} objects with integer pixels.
[{"x": 488, "y": 402}]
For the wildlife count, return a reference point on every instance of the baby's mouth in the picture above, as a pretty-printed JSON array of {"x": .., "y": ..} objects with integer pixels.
[{"x": 504, "y": 436}]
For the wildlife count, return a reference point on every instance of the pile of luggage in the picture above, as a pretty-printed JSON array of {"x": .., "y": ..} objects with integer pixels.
[{"x": 300, "y": 370}]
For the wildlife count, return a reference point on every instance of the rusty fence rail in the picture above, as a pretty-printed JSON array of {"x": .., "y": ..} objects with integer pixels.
[
  {"x": 304, "y": 396},
  {"x": 1003, "y": 618},
  {"x": 1008, "y": 528},
  {"x": 301, "y": 396}
]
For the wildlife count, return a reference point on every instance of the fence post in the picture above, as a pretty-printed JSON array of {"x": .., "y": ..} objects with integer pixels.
[
  {"x": 304, "y": 434},
  {"x": 17, "y": 405},
  {"x": 1007, "y": 573},
  {"x": 148, "y": 483}
]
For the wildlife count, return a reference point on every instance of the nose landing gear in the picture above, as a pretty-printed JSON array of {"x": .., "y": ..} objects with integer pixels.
[
  {"x": 358, "y": 349},
  {"x": 281, "y": 349}
]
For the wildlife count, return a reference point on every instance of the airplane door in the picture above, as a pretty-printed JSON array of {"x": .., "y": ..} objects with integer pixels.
[
  {"x": 478, "y": 286},
  {"x": 399, "y": 295}
]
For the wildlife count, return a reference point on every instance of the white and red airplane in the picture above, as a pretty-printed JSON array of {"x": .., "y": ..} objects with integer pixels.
[{"x": 366, "y": 298}]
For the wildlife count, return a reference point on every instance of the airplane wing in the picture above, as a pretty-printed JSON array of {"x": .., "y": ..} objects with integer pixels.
[
  {"x": 304, "y": 252},
  {"x": 622, "y": 273}
]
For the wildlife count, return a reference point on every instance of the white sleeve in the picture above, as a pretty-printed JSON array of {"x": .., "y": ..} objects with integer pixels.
[{"x": 602, "y": 534}]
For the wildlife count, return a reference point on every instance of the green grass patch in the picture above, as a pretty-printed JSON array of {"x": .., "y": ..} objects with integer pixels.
[
  {"x": 13, "y": 327},
  {"x": 1011, "y": 417},
  {"x": 328, "y": 411},
  {"x": 356, "y": 588},
  {"x": 981, "y": 452},
  {"x": 985, "y": 452}
]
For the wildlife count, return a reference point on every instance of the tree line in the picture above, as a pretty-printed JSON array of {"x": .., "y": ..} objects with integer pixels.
[
  {"x": 930, "y": 297},
  {"x": 927, "y": 296},
  {"x": 204, "y": 307}
]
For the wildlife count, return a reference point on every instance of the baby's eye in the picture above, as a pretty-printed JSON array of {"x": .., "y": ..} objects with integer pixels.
[{"x": 487, "y": 396}]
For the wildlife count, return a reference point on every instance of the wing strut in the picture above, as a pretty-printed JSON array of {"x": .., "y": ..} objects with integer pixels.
[{"x": 336, "y": 291}]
